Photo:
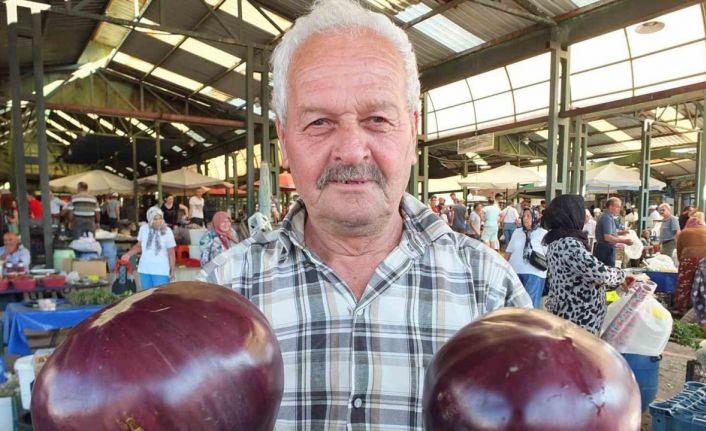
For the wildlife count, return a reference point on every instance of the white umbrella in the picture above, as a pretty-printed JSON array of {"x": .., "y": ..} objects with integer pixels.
[
  {"x": 99, "y": 182},
  {"x": 184, "y": 179},
  {"x": 506, "y": 176},
  {"x": 615, "y": 177}
]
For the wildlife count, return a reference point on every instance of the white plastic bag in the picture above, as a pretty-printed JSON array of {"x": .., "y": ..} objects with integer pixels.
[{"x": 637, "y": 323}]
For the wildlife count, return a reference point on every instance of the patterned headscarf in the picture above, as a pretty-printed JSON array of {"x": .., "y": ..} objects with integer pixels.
[
  {"x": 225, "y": 236},
  {"x": 535, "y": 224},
  {"x": 153, "y": 237}
]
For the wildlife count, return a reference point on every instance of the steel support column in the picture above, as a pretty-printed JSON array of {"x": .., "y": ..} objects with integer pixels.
[
  {"x": 558, "y": 138},
  {"x": 578, "y": 155},
  {"x": 645, "y": 158},
  {"x": 158, "y": 161},
  {"x": 465, "y": 188},
  {"x": 425, "y": 174},
  {"x": 413, "y": 184},
  {"x": 226, "y": 163},
  {"x": 701, "y": 164},
  {"x": 250, "y": 129},
  {"x": 133, "y": 143},
  {"x": 43, "y": 151},
  {"x": 18, "y": 150}
]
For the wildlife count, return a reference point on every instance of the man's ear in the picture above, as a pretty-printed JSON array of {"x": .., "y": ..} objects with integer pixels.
[
  {"x": 282, "y": 143},
  {"x": 415, "y": 131}
]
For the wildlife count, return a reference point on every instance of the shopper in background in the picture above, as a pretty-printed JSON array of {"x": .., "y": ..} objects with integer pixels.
[
  {"x": 219, "y": 238},
  {"x": 578, "y": 280},
  {"x": 156, "y": 243},
  {"x": 196, "y": 204},
  {"x": 607, "y": 232},
  {"x": 524, "y": 242},
  {"x": 668, "y": 231},
  {"x": 691, "y": 248}
]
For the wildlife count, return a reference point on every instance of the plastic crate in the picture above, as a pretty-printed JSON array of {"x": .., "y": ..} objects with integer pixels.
[{"x": 686, "y": 411}]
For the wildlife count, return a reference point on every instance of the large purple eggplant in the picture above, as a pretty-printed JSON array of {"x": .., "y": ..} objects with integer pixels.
[
  {"x": 528, "y": 370},
  {"x": 186, "y": 356}
]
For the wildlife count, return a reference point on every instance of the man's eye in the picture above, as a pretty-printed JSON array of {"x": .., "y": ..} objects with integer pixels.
[
  {"x": 378, "y": 119},
  {"x": 318, "y": 122}
]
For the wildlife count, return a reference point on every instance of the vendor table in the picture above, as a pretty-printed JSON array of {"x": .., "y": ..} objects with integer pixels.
[
  {"x": 51, "y": 292},
  {"x": 20, "y": 316},
  {"x": 666, "y": 281}
]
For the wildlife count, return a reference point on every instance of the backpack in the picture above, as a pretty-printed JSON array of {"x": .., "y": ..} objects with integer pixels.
[{"x": 123, "y": 282}]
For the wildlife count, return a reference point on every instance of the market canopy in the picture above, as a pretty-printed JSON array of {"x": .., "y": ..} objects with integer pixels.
[
  {"x": 615, "y": 177},
  {"x": 99, "y": 182},
  {"x": 184, "y": 179},
  {"x": 506, "y": 176}
]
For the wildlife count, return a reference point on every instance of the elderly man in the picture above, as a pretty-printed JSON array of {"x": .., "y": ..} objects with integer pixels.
[
  {"x": 13, "y": 252},
  {"x": 668, "y": 230},
  {"x": 363, "y": 283},
  {"x": 607, "y": 233}
]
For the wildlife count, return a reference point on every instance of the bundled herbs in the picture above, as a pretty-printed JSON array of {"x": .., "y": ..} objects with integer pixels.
[{"x": 94, "y": 297}]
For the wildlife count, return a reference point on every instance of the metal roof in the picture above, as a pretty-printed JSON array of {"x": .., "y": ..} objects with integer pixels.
[{"x": 175, "y": 68}]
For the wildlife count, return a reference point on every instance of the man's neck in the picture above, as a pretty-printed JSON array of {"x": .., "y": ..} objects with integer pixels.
[{"x": 353, "y": 257}]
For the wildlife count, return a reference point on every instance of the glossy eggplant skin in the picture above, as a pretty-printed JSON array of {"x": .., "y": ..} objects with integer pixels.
[
  {"x": 185, "y": 356},
  {"x": 528, "y": 370}
]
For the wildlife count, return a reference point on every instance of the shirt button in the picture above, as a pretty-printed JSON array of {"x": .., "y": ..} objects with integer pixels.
[
  {"x": 357, "y": 403},
  {"x": 360, "y": 312}
]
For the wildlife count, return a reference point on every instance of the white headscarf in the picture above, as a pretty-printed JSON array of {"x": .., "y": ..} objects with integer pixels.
[{"x": 151, "y": 214}]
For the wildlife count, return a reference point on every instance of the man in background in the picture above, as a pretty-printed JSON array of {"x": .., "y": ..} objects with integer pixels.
[
  {"x": 607, "y": 233},
  {"x": 85, "y": 212}
]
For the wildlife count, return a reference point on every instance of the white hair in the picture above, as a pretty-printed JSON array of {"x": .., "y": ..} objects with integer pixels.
[{"x": 339, "y": 15}]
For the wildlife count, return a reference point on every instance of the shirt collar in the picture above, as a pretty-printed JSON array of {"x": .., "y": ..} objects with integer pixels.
[{"x": 421, "y": 227}]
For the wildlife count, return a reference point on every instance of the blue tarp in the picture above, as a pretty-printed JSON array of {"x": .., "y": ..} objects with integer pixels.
[
  {"x": 666, "y": 281},
  {"x": 20, "y": 316}
]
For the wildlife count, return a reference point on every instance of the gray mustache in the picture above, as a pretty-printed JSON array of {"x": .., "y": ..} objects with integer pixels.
[{"x": 342, "y": 173}]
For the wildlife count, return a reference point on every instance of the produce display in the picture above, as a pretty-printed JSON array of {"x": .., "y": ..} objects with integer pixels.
[
  {"x": 528, "y": 370},
  {"x": 185, "y": 356}
]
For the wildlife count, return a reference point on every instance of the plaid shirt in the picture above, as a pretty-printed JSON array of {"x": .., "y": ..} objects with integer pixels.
[{"x": 359, "y": 365}]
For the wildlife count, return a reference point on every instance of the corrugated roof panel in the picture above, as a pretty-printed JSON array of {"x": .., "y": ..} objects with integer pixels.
[
  {"x": 485, "y": 22},
  {"x": 110, "y": 34}
]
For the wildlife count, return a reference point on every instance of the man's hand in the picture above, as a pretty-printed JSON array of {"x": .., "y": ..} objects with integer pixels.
[
  {"x": 125, "y": 258},
  {"x": 628, "y": 241}
]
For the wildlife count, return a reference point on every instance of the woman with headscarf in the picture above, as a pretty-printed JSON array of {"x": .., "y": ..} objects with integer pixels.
[
  {"x": 156, "y": 243},
  {"x": 220, "y": 237},
  {"x": 691, "y": 248},
  {"x": 577, "y": 280},
  {"x": 524, "y": 241}
]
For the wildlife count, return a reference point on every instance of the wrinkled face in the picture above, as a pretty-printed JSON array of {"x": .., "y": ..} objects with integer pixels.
[
  {"x": 349, "y": 139},
  {"x": 527, "y": 219},
  {"x": 664, "y": 211}
]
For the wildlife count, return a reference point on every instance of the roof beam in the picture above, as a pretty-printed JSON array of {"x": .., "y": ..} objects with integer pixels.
[
  {"x": 174, "y": 48},
  {"x": 528, "y": 43},
  {"x": 432, "y": 13},
  {"x": 146, "y": 115},
  {"x": 168, "y": 29},
  {"x": 516, "y": 12},
  {"x": 532, "y": 7}
]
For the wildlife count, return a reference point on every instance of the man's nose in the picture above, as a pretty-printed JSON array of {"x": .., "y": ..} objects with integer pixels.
[{"x": 351, "y": 144}]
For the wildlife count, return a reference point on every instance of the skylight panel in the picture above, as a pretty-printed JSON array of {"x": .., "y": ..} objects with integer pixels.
[
  {"x": 682, "y": 26},
  {"x": 159, "y": 72},
  {"x": 195, "y": 136},
  {"x": 237, "y": 102},
  {"x": 488, "y": 83},
  {"x": 450, "y": 95},
  {"x": 252, "y": 16},
  {"x": 62, "y": 128},
  {"x": 455, "y": 117},
  {"x": 530, "y": 71},
  {"x": 216, "y": 94},
  {"x": 441, "y": 29},
  {"x": 73, "y": 121},
  {"x": 601, "y": 81},
  {"x": 582, "y": 3},
  {"x": 610, "y": 131},
  {"x": 668, "y": 65},
  {"x": 193, "y": 46},
  {"x": 57, "y": 137},
  {"x": 598, "y": 51}
]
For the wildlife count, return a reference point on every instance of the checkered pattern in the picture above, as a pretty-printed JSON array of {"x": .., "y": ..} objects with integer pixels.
[{"x": 359, "y": 365}]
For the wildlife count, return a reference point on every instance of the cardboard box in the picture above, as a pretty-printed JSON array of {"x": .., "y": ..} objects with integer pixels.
[{"x": 85, "y": 268}]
